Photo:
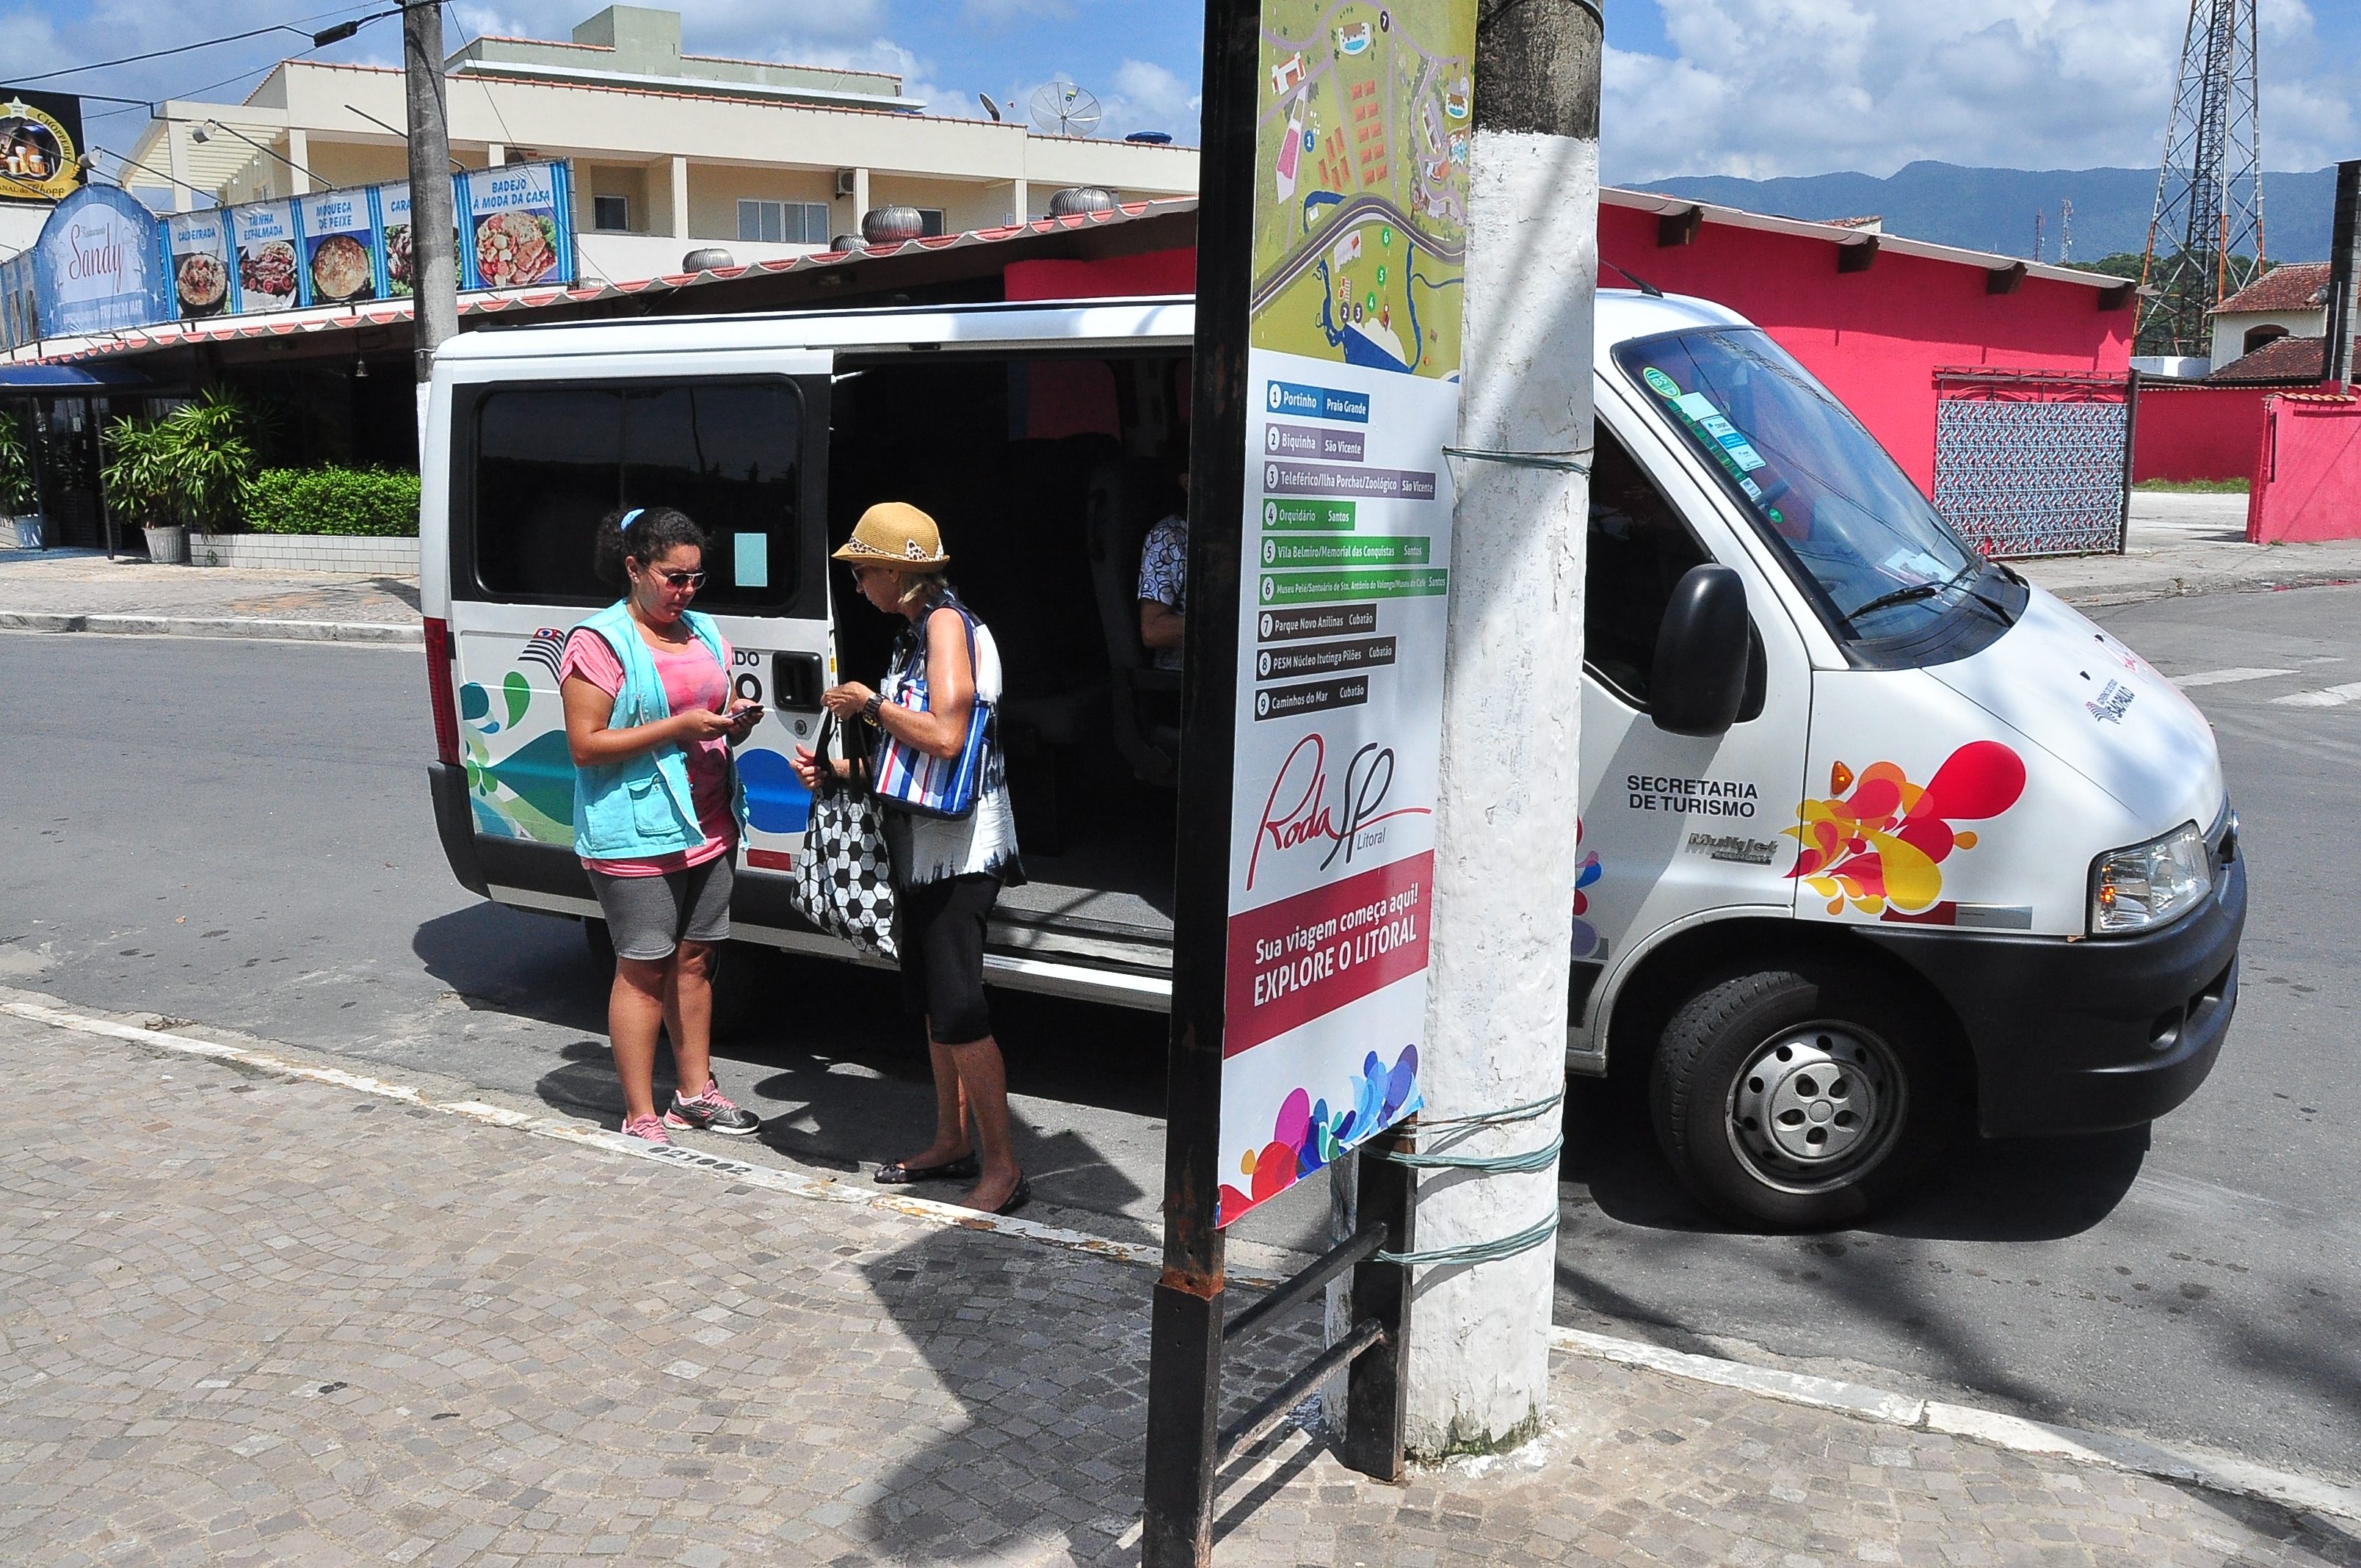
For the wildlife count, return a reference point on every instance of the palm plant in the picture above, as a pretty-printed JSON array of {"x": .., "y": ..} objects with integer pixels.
[
  {"x": 209, "y": 455},
  {"x": 17, "y": 493},
  {"x": 191, "y": 466},
  {"x": 134, "y": 473}
]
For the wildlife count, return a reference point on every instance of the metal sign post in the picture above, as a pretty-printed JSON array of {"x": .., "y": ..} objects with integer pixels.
[{"x": 1329, "y": 243}]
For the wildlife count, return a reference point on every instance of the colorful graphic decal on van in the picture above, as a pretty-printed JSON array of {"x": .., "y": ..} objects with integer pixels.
[
  {"x": 1306, "y": 1134},
  {"x": 1880, "y": 847},
  {"x": 1587, "y": 943},
  {"x": 529, "y": 792}
]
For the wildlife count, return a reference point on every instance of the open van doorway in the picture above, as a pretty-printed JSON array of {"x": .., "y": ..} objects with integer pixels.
[{"x": 1046, "y": 472}]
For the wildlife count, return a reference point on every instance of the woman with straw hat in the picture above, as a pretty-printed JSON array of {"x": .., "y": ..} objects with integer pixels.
[{"x": 948, "y": 872}]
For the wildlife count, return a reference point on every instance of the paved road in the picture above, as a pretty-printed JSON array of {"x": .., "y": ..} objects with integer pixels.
[
  {"x": 2198, "y": 1283},
  {"x": 238, "y": 834}
]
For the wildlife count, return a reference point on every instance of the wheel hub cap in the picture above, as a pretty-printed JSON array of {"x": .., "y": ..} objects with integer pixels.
[{"x": 1811, "y": 1100}]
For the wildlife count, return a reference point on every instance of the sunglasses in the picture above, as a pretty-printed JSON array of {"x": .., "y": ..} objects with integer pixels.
[{"x": 683, "y": 579}]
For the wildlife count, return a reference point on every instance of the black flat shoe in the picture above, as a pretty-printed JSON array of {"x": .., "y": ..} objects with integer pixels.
[
  {"x": 897, "y": 1174},
  {"x": 1019, "y": 1196}
]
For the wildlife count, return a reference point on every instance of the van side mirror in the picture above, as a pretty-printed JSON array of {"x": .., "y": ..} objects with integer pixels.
[{"x": 1698, "y": 681}]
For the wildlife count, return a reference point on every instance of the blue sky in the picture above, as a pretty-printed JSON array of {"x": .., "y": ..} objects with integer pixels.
[{"x": 1752, "y": 87}]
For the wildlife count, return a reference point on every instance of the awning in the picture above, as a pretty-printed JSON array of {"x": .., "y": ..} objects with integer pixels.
[{"x": 71, "y": 378}]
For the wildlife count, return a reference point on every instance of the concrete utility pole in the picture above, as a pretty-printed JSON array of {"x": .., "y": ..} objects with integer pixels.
[
  {"x": 432, "y": 267},
  {"x": 1507, "y": 813}
]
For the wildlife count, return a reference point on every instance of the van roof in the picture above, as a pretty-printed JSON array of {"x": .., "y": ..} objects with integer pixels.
[{"x": 1621, "y": 314}]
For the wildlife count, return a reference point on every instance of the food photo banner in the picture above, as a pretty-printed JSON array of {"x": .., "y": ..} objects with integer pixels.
[{"x": 108, "y": 262}]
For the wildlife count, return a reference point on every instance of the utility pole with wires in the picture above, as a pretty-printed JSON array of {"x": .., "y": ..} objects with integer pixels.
[{"x": 434, "y": 269}]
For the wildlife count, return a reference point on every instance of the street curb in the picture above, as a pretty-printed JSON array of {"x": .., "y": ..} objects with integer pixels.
[
  {"x": 2141, "y": 590},
  {"x": 1863, "y": 1401},
  {"x": 381, "y": 632},
  {"x": 2016, "y": 1435}
]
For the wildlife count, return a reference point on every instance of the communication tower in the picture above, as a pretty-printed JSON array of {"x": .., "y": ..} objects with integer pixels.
[{"x": 2205, "y": 241}]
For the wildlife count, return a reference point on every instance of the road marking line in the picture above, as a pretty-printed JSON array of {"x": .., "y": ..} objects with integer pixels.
[
  {"x": 2224, "y": 677},
  {"x": 2326, "y": 696},
  {"x": 1861, "y": 1400}
]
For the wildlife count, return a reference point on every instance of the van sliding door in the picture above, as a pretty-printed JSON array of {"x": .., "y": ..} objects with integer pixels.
[{"x": 539, "y": 461}]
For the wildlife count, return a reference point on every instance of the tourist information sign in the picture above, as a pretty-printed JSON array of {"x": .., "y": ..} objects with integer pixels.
[{"x": 1330, "y": 248}]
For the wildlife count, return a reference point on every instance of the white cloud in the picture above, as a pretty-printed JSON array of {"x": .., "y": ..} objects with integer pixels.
[
  {"x": 1000, "y": 12},
  {"x": 1767, "y": 87},
  {"x": 1145, "y": 96}
]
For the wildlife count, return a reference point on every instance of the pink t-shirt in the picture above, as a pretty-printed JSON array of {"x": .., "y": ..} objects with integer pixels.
[{"x": 691, "y": 679}]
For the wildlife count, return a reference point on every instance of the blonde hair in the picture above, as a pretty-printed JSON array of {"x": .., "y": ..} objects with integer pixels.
[{"x": 920, "y": 586}]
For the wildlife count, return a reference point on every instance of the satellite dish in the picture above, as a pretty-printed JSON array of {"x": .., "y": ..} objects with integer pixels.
[{"x": 1062, "y": 109}]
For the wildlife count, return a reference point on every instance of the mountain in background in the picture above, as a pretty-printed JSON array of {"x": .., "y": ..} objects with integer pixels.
[{"x": 1991, "y": 209}]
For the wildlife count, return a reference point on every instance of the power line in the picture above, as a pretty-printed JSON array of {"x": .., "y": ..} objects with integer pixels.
[{"x": 335, "y": 33}]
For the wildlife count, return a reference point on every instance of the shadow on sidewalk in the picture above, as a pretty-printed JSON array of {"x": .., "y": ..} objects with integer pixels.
[{"x": 1048, "y": 1354}]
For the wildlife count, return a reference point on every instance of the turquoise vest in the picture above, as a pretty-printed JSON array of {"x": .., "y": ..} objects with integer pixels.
[{"x": 641, "y": 806}]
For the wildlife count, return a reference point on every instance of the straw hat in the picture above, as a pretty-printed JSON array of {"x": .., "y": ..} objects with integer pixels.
[{"x": 896, "y": 535}]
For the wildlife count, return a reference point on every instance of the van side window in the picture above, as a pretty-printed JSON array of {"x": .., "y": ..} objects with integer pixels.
[
  {"x": 1640, "y": 550},
  {"x": 550, "y": 461}
]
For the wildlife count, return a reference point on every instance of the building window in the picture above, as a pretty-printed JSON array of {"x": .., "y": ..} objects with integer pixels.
[
  {"x": 2257, "y": 336},
  {"x": 610, "y": 214},
  {"x": 783, "y": 223},
  {"x": 931, "y": 220}
]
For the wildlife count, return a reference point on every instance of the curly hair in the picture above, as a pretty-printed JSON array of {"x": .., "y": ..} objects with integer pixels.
[{"x": 644, "y": 534}]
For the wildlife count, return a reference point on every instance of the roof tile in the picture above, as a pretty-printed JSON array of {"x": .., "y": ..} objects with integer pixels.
[
  {"x": 2290, "y": 286},
  {"x": 2280, "y": 359}
]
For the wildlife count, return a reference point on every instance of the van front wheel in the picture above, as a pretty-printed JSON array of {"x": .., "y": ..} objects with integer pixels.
[{"x": 1801, "y": 1099}]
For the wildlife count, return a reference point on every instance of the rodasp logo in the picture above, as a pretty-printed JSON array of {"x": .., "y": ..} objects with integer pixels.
[{"x": 1303, "y": 812}]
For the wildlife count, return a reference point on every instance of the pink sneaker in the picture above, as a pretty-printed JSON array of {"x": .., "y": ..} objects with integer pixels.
[
  {"x": 650, "y": 1128},
  {"x": 711, "y": 1112}
]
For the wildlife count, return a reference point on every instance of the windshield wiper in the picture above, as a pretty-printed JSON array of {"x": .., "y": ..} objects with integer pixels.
[{"x": 1928, "y": 590}]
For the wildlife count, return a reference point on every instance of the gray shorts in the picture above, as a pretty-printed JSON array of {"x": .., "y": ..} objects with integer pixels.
[{"x": 650, "y": 916}]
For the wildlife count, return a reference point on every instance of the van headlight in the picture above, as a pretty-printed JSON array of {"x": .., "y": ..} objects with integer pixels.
[{"x": 2150, "y": 884}]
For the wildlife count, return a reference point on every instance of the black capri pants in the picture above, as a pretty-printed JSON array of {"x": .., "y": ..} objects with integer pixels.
[{"x": 939, "y": 927}]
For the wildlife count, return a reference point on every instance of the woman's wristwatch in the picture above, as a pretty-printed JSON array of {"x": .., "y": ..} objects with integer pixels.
[{"x": 869, "y": 710}]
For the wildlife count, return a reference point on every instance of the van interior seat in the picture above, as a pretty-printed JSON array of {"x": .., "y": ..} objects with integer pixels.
[{"x": 1128, "y": 497}]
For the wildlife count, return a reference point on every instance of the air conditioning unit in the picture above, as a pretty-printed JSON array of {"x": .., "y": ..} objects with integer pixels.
[{"x": 844, "y": 177}]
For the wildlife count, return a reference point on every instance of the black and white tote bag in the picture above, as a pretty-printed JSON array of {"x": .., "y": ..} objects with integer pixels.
[{"x": 843, "y": 880}]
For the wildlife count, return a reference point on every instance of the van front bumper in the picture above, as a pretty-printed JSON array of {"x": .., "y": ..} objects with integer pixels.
[{"x": 2090, "y": 1036}]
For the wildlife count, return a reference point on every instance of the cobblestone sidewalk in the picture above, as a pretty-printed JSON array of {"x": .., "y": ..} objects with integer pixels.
[
  {"x": 250, "y": 1319},
  {"x": 41, "y": 591}
]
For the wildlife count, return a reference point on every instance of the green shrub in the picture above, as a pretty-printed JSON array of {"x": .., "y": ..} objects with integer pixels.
[
  {"x": 380, "y": 503},
  {"x": 17, "y": 493}
]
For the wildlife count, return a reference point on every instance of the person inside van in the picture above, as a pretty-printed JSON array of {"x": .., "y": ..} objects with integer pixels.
[
  {"x": 1164, "y": 582},
  {"x": 948, "y": 870},
  {"x": 650, "y": 723}
]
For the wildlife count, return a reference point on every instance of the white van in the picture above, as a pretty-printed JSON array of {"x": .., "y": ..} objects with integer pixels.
[{"x": 1877, "y": 838}]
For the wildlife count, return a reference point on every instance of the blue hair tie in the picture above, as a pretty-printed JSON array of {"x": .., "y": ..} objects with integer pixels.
[{"x": 627, "y": 518}]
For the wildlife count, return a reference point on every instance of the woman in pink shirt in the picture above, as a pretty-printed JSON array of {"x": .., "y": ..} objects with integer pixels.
[{"x": 650, "y": 722}]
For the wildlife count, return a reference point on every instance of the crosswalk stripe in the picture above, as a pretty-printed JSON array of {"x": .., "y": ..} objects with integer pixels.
[
  {"x": 2327, "y": 697},
  {"x": 2224, "y": 677}
]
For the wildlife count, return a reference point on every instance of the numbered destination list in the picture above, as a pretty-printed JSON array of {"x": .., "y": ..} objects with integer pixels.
[{"x": 1319, "y": 628}]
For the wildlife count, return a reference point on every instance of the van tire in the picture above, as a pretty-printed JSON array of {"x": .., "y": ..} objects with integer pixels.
[
  {"x": 1850, "y": 1098},
  {"x": 736, "y": 977}
]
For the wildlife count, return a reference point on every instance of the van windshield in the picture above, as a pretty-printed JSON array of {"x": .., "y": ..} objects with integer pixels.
[{"x": 1848, "y": 521}]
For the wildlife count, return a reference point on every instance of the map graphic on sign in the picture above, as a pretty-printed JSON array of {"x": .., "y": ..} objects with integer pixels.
[
  {"x": 1360, "y": 211},
  {"x": 1361, "y": 160}
]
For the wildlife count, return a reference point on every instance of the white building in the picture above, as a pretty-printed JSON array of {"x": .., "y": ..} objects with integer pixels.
[
  {"x": 672, "y": 152},
  {"x": 2289, "y": 301}
]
